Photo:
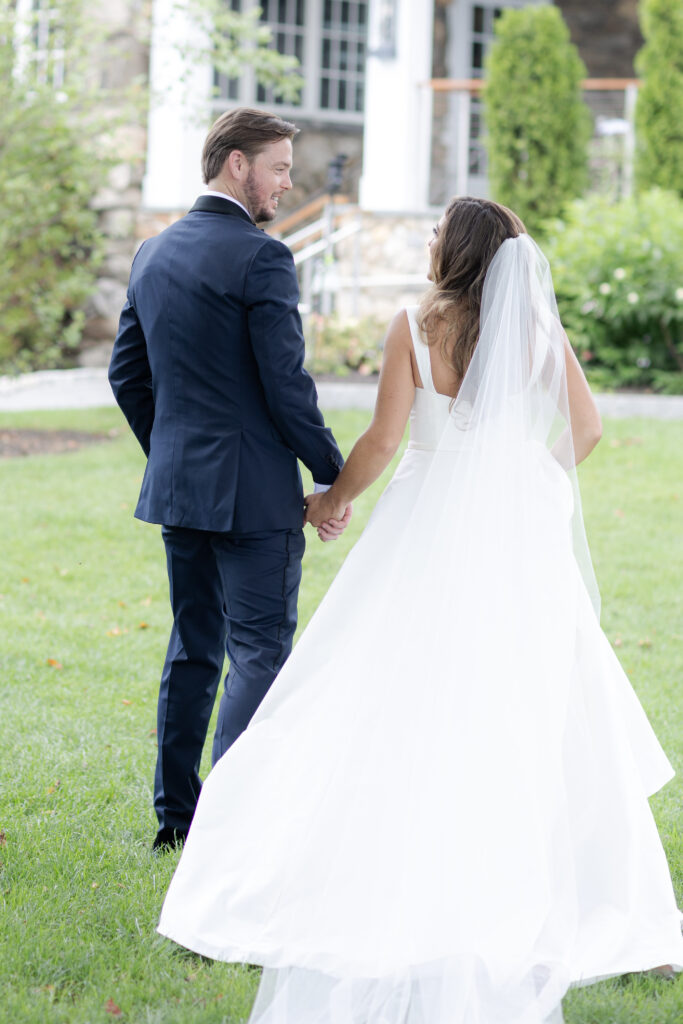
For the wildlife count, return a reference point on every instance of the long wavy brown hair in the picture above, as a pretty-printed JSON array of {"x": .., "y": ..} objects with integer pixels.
[{"x": 468, "y": 237}]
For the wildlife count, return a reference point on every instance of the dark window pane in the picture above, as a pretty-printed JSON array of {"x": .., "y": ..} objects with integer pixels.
[
  {"x": 282, "y": 12},
  {"x": 260, "y": 94},
  {"x": 299, "y": 12},
  {"x": 343, "y": 55},
  {"x": 345, "y": 12},
  {"x": 327, "y": 14},
  {"x": 281, "y": 42},
  {"x": 299, "y": 49},
  {"x": 342, "y": 95},
  {"x": 325, "y": 93},
  {"x": 359, "y": 98},
  {"x": 477, "y": 55},
  {"x": 326, "y": 55},
  {"x": 477, "y": 19},
  {"x": 362, "y": 13}
]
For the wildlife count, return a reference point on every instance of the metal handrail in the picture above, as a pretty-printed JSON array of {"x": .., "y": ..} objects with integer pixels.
[{"x": 302, "y": 213}]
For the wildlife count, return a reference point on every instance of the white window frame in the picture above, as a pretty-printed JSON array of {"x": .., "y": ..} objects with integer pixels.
[
  {"x": 309, "y": 108},
  {"x": 35, "y": 55}
]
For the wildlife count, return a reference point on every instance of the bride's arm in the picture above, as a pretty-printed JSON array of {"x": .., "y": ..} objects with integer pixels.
[
  {"x": 583, "y": 412},
  {"x": 374, "y": 450}
]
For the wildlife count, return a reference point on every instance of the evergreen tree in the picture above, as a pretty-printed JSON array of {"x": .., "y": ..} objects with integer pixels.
[
  {"x": 659, "y": 110},
  {"x": 537, "y": 123}
]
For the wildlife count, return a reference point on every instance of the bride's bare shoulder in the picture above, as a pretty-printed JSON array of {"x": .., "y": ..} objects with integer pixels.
[{"x": 398, "y": 333}]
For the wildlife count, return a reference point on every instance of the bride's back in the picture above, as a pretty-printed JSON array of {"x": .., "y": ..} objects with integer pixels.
[{"x": 444, "y": 377}]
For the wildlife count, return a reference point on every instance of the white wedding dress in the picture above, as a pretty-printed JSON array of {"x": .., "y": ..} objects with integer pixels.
[{"x": 439, "y": 813}]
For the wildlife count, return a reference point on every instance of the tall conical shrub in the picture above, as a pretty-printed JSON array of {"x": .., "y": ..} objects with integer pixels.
[
  {"x": 537, "y": 122},
  {"x": 659, "y": 110}
]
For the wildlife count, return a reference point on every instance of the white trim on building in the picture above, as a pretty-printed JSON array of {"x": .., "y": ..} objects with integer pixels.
[{"x": 398, "y": 129}]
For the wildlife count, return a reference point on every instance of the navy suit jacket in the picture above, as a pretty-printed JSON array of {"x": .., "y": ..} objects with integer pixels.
[{"x": 208, "y": 369}]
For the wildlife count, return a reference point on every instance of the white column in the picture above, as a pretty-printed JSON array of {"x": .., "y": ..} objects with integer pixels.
[
  {"x": 179, "y": 115},
  {"x": 398, "y": 111}
]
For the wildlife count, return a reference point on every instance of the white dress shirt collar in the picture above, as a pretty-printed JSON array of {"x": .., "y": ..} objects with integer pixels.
[{"x": 231, "y": 199}]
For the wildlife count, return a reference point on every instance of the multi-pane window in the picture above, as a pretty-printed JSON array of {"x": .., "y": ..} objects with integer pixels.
[
  {"x": 228, "y": 88},
  {"x": 342, "y": 65},
  {"x": 482, "y": 31},
  {"x": 40, "y": 42},
  {"x": 285, "y": 19},
  {"x": 329, "y": 39}
]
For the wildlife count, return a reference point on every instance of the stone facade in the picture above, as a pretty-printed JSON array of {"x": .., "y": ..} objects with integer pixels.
[
  {"x": 607, "y": 35},
  {"x": 383, "y": 267},
  {"x": 125, "y": 59}
]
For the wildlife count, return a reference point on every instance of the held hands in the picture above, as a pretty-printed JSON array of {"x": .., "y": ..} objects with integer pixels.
[{"x": 329, "y": 518}]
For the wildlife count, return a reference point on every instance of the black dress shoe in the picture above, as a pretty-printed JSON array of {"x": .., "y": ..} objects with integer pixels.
[{"x": 168, "y": 839}]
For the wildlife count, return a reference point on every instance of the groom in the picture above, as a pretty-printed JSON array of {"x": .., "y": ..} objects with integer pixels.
[{"x": 208, "y": 369}]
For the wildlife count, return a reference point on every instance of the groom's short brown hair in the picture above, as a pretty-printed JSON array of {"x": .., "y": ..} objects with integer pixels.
[{"x": 245, "y": 129}]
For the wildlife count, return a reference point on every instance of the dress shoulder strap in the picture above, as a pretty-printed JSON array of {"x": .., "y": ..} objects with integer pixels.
[{"x": 421, "y": 349}]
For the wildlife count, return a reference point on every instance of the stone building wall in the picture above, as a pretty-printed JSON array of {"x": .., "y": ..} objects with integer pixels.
[
  {"x": 124, "y": 59},
  {"x": 383, "y": 267},
  {"x": 608, "y": 38},
  {"x": 606, "y": 33}
]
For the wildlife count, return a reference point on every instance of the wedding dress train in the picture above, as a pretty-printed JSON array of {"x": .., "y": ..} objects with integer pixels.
[{"x": 439, "y": 813}]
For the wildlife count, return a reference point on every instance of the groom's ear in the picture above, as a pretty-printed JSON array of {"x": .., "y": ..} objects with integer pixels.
[{"x": 237, "y": 165}]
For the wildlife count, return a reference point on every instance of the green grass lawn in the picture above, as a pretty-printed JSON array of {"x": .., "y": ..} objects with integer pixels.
[{"x": 84, "y": 621}]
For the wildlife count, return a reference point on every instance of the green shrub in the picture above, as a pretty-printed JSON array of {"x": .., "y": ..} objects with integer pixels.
[
  {"x": 659, "y": 110},
  {"x": 618, "y": 274},
  {"x": 340, "y": 347},
  {"x": 49, "y": 171},
  {"x": 537, "y": 123}
]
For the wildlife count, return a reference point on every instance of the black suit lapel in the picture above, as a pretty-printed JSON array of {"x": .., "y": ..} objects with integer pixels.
[{"x": 214, "y": 204}]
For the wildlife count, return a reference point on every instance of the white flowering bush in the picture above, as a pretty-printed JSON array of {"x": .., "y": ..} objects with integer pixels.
[{"x": 618, "y": 274}]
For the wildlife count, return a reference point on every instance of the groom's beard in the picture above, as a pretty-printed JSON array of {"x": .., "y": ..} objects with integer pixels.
[{"x": 256, "y": 204}]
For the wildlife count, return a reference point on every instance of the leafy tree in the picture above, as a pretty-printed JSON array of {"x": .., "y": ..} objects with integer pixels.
[
  {"x": 538, "y": 125},
  {"x": 49, "y": 171},
  {"x": 659, "y": 110}
]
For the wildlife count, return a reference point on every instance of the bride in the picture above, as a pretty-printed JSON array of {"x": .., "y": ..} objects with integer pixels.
[{"x": 439, "y": 813}]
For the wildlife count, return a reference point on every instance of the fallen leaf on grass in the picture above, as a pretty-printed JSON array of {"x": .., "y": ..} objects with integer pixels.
[
  {"x": 152, "y": 732},
  {"x": 617, "y": 642},
  {"x": 126, "y": 702},
  {"x": 143, "y": 625},
  {"x": 122, "y": 604},
  {"x": 53, "y": 663},
  {"x": 626, "y": 442},
  {"x": 53, "y": 788},
  {"x": 25, "y": 579},
  {"x": 95, "y": 885},
  {"x": 116, "y": 631},
  {"x": 645, "y": 642},
  {"x": 3, "y": 839},
  {"x": 619, "y": 513},
  {"x": 146, "y": 601},
  {"x": 111, "y": 1007}
]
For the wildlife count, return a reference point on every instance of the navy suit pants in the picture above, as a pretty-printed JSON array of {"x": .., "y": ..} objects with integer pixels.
[{"x": 234, "y": 593}]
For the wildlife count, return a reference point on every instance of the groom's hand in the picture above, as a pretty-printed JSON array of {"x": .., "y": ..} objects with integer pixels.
[{"x": 329, "y": 518}]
